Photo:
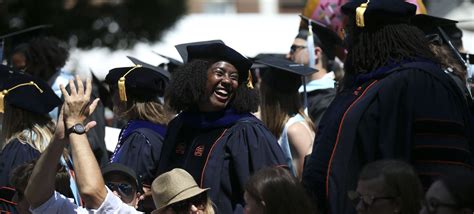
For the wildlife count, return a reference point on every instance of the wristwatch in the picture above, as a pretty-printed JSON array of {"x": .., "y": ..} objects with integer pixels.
[{"x": 78, "y": 128}]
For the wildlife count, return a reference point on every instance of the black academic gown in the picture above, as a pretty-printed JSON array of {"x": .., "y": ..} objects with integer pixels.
[
  {"x": 13, "y": 155},
  {"x": 220, "y": 150},
  {"x": 415, "y": 113},
  {"x": 139, "y": 148},
  {"x": 318, "y": 102}
]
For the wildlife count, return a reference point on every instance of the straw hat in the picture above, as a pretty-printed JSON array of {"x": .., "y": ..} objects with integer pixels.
[{"x": 174, "y": 186}]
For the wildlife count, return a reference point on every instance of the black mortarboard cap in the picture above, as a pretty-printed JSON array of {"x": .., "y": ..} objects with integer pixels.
[
  {"x": 376, "y": 12},
  {"x": 285, "y": 65},
  {"x": 161, "y": 71},
  {"x": 20, "y": 37},
  {"x": 120, "y": 169},
  {"x": 325, "y": 38},
  {"x": 170, "y": 59},
  {"x": 172, "y": 64},
  {"x": 138, "y": 81},
  {"x": 284, "y": 75},
  {"x": 429, "y": 25},
  {"x": 183, "y": 48},
  {"x": 217, "y": 50},
  {"x": 29, "y": 93}
]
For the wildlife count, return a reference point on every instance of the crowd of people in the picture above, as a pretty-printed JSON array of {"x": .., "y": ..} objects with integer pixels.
[{"x": 389, "y": 130}]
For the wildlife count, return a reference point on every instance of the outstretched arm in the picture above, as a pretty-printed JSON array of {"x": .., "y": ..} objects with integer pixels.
[
  {"x": 44, "y": 172},
  {"x": 88, "y": 176}
]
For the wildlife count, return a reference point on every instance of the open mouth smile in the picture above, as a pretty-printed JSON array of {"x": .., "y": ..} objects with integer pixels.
[{"x": 222, "y": 94}]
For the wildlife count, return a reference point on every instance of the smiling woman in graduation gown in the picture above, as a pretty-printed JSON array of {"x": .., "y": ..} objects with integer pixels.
[{"x": 215, "y": 138}]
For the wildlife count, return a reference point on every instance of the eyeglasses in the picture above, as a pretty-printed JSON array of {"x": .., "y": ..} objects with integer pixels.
[
  {"x": 124, "y": 189},
  {"x": 432, "y": 205},
  {"x": 367, "y": 200},
  {"x": 294, "y": 48},
  {"x": 199, "y": 201}
]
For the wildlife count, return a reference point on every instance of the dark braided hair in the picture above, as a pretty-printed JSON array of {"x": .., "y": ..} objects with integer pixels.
[
  {"x": 375, "y": 46},
  {"x": 188, "y": 87}
]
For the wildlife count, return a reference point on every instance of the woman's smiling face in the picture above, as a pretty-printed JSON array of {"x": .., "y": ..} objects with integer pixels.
[{"x": 222, "y": 82}]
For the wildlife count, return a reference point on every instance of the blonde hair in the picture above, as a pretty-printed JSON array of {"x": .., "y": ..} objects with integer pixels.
[
  {"x": 29, "y": 128},
  {"x": 152, "y": 111}
]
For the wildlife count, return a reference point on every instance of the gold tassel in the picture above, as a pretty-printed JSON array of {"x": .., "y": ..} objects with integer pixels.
[
  {"x": 2, "y": 96},
  {"x": 360, "y": 14},
  {"x": 249, "y": 80},
  {"x": 121, "y": 85},
  {"x": 122, "y": 89},
  {"x": 5, "y": 92}
]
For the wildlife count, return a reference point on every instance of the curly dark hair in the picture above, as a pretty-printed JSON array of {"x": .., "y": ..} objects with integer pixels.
[
  {"x": 45, "y": 56},
  {"x": 188, "y": 86},
  {"x": 374, "y": 46}
]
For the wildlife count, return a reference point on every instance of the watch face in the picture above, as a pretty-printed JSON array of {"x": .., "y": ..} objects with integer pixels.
[{"x": 79, "y": 129}]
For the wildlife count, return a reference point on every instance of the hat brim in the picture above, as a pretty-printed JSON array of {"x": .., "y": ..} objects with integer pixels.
[{"x": 182, "y": 196}]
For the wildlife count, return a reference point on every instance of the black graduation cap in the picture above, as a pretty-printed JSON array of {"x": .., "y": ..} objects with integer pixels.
[
  {"x": 373, "y": 12},
  {"x": 183, "y": 51},
  {"x": 285, "y": 75},
  {"x": 324, "y": 37},
  {"x": 216, "y": 50},
  {"x": 29, "y": 93},
  {"x": 219, "y": 51},
  {"x": 443, "y": 28},
  {"x": 284, "y": 65},
  {"x": 172, "y": 64},
  {"x": 161, "y": 71},
  {"x": 429, "y": 25},
  {"x": 19, "y": 37},
  {"x": 140, "y": 81}
]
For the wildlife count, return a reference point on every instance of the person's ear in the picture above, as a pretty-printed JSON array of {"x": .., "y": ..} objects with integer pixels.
[{"x": 317, "y": 52}]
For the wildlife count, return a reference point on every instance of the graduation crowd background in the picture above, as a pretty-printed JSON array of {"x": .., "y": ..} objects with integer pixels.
[{"x": 369, "y": 112}]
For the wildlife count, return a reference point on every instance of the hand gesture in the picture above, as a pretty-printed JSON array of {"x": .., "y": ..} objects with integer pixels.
[{"x": 77, "y": 106}]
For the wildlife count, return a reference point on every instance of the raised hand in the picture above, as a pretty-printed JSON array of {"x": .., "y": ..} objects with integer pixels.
[{"x": 77, "y": 106}]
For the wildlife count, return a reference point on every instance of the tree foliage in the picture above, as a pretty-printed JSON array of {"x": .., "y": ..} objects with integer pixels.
[{"x": 89, "y": 23}]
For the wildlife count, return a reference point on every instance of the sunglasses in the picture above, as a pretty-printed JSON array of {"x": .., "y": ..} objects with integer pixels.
[
  {"x": 294, "y": 48},
  {"x": 367, "y": 200},
  {"x": 199, "y": 201},
  {"x": 123, "y": 188}
]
